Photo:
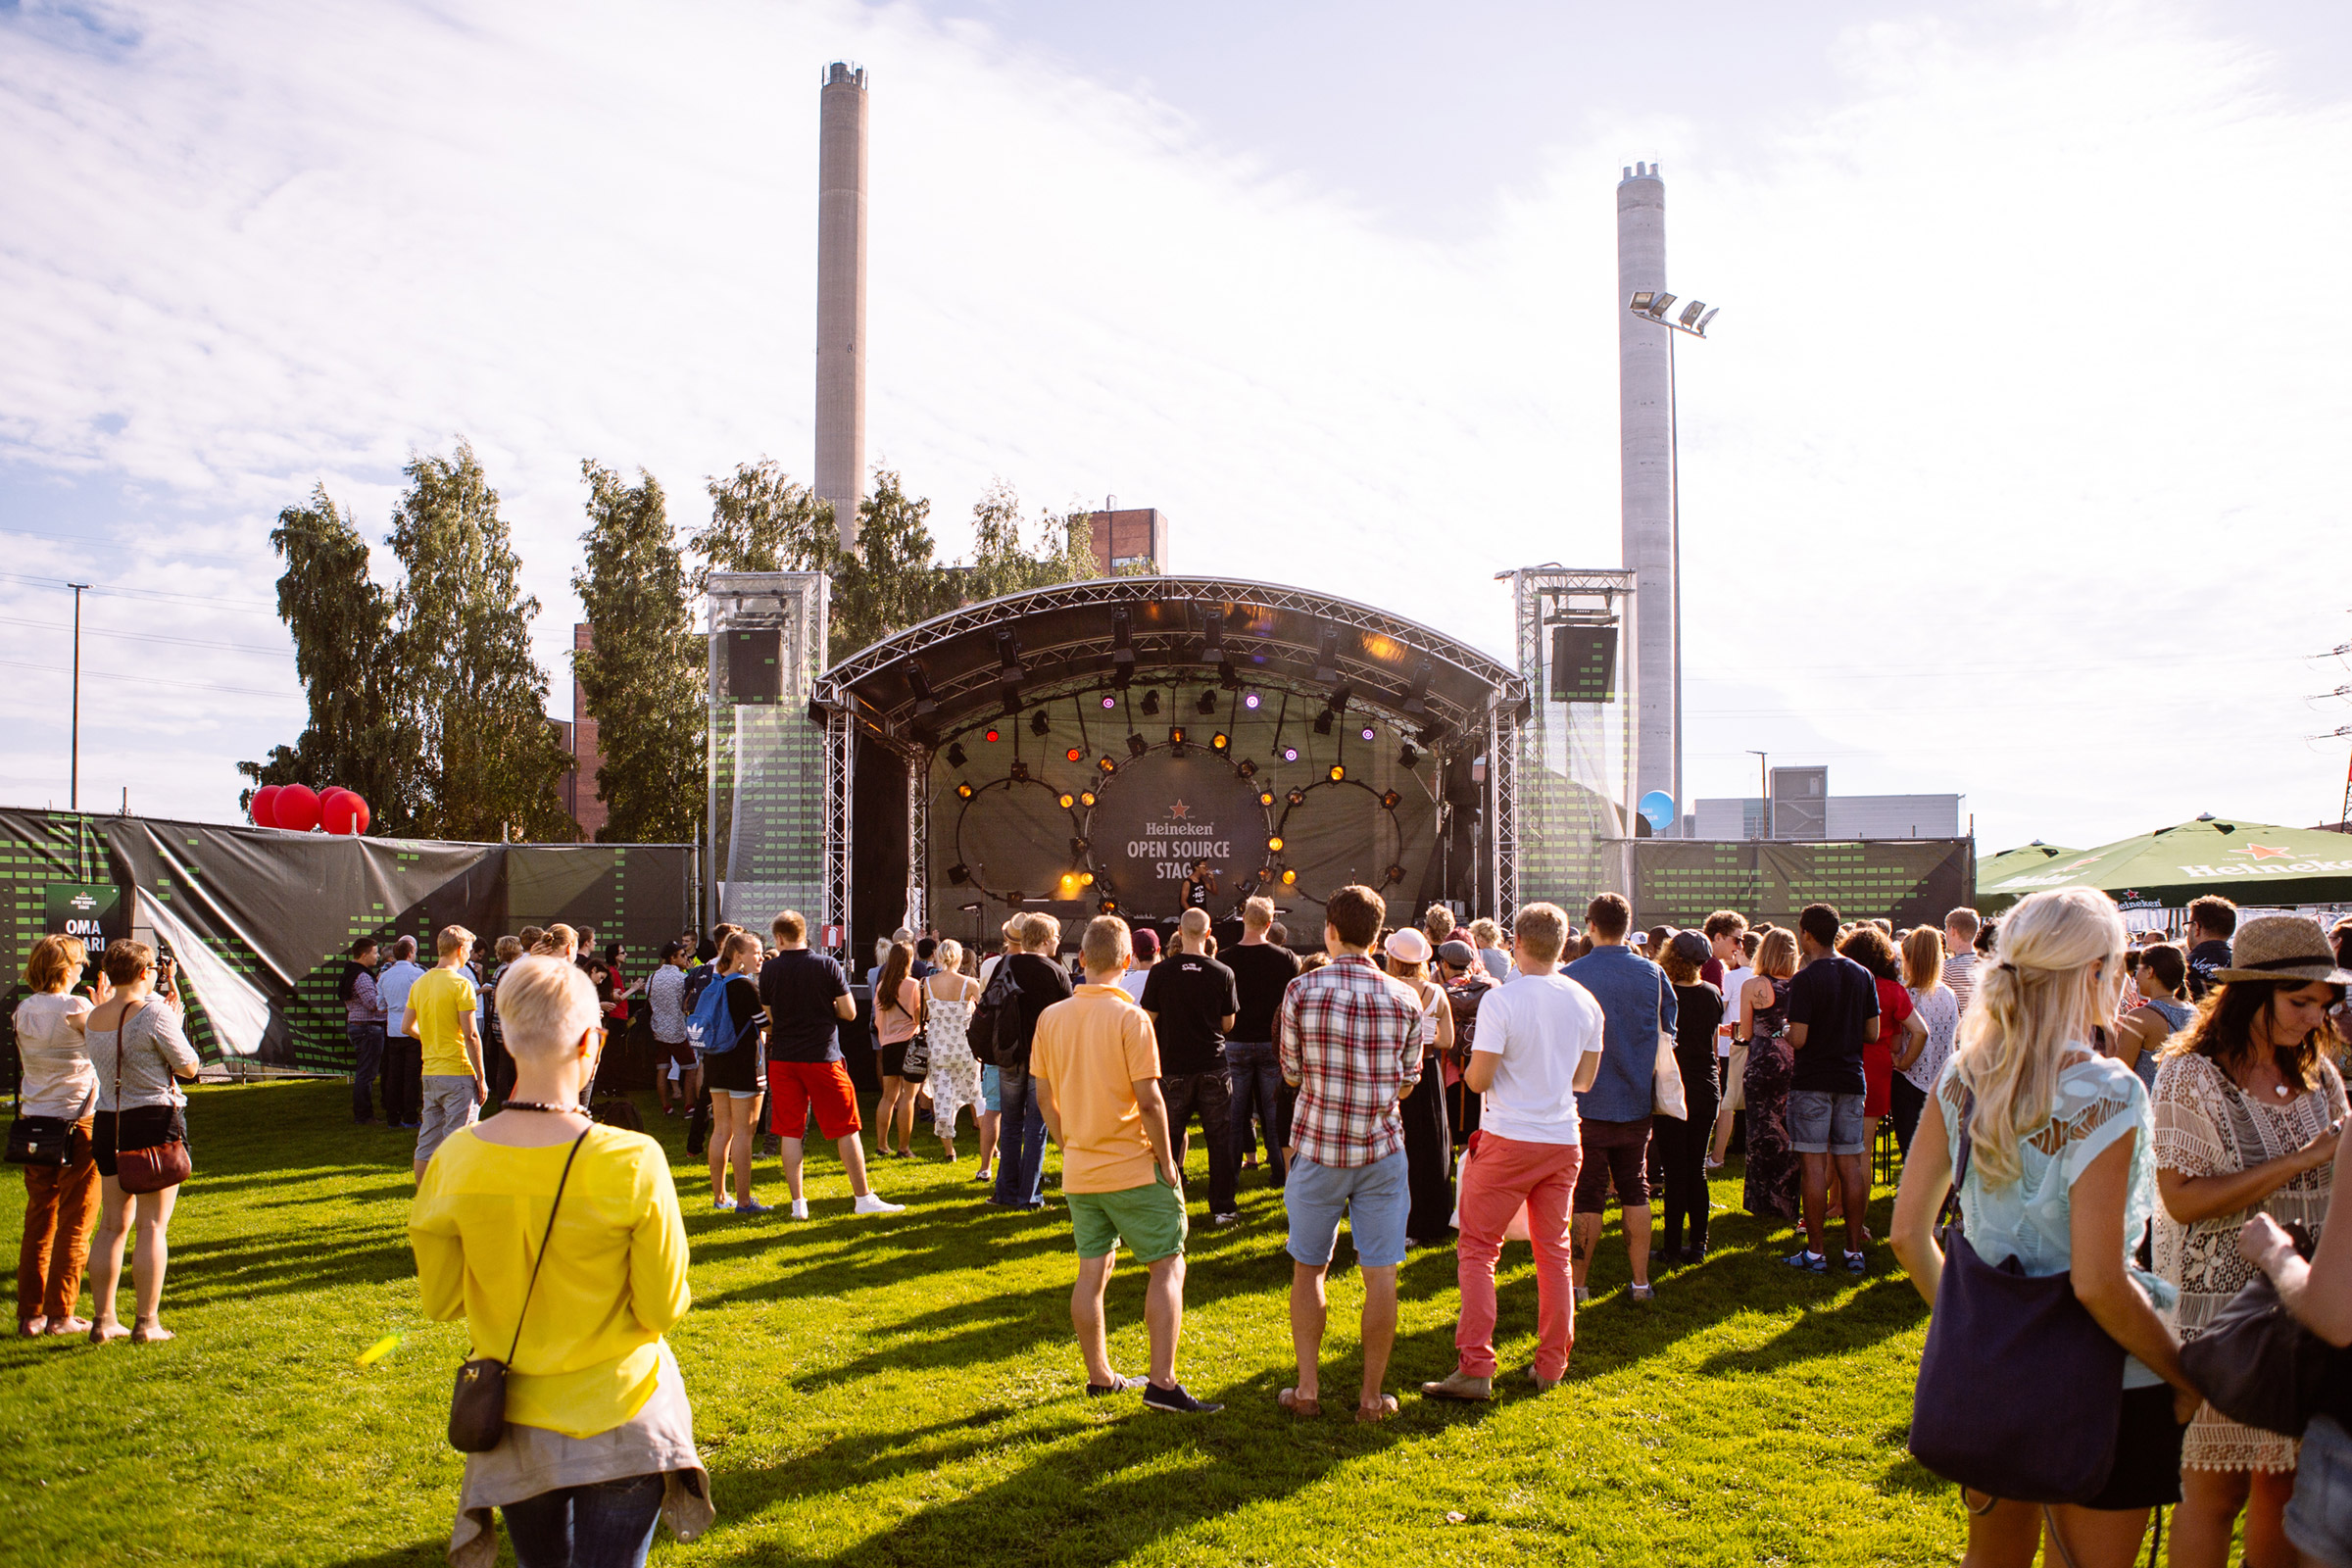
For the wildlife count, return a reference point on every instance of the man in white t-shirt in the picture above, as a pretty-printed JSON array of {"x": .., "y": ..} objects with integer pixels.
[
  {"x": 1146, "y": 958},
  {"x": 1739, "y": 969},
  {"x": 1538, "y": 1042}
]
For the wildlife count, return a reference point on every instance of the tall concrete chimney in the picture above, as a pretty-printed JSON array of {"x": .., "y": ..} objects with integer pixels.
[
  {"x": 840, "y": 475},
  {"x": 1646, "y": 436}
]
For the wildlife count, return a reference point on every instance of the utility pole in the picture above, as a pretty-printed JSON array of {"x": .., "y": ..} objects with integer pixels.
[
  {"x": 74, "y": 777},
  {"x": 1763, "y": 787}
]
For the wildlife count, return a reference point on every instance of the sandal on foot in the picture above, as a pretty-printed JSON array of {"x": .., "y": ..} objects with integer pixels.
[
  {"x": 1373, "y": 1414},
  {"x": 1289, "y": 1400}
]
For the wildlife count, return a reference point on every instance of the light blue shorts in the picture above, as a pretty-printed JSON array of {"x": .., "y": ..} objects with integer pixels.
[
  {"x": 2319, "y": 1517},
  {"x": 988, "y": 1091},
  {"x": 1375, "y": 1198}
]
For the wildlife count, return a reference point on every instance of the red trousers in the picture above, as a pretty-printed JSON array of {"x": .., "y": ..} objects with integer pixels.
[
  {"x": 60, "y": 1210},
  {"x": 1498, "y": 1176}
]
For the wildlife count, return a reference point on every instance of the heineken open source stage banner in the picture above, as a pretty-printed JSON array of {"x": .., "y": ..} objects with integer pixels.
[{"x": 259, "y": 921}]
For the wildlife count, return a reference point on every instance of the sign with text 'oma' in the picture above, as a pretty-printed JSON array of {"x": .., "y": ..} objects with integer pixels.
[
  {"x": 1161, "y": 815},
  {"x": 90, "y": 910}
]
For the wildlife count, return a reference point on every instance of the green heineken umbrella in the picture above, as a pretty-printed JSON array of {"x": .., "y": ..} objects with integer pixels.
[
  {"x": 2020, "y": 862},
  {"x": 2245, "y": 862}
]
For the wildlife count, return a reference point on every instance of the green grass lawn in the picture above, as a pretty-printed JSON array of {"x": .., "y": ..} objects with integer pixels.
[{"x": 904, "y": 1389}]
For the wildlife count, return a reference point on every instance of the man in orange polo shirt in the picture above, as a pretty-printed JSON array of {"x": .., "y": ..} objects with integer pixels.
[{"x": 1096, "y": 1064}]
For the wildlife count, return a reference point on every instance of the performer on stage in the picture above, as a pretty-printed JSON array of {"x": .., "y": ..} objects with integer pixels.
[{"x": 1199, "y": 887}]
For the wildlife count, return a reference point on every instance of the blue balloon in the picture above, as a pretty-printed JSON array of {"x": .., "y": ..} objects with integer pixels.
[{"x": 1658, "y": 807}]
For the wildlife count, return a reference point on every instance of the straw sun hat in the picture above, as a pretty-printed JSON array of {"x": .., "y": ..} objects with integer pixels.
[{"x": 2283, "y": 946}]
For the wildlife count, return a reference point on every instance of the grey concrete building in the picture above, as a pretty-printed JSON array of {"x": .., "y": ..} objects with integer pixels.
[
  {"x": 1646, "y": 436},
  {"x": 839, "y": 472}
]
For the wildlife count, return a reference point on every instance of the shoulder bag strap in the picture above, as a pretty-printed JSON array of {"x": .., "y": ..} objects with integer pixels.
[
  {"x": 544, "y": 1238},
  {"x": 1947, "y": 1215}
]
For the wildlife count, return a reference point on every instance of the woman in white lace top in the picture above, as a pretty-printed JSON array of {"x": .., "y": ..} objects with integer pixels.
[{"x": 2247, "y": 1112}]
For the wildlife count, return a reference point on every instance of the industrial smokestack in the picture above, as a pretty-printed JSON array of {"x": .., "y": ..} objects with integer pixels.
[
  {"x": 840, "y": 474},
  {"x": 1645, "y": 436}
]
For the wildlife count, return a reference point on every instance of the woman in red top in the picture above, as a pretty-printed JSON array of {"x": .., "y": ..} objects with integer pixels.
[{"x": 1873, "y": 949}]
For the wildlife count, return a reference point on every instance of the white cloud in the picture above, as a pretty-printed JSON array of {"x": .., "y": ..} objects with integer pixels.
[{"x": 1993, "y": 483}]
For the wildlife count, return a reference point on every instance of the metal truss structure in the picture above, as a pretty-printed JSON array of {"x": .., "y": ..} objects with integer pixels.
[{"x": 1558, "y": 789}]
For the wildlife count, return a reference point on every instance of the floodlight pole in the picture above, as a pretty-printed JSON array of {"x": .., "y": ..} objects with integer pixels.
[
  {"x": 1763, "y": 787},
  {"x": 73, "y": 773}
]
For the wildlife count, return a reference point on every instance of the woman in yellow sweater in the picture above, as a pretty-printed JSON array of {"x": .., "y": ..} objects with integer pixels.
[{"x": 599, "y": 1438}]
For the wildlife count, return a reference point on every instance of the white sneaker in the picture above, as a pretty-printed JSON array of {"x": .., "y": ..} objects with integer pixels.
[
  {"x": 800, "y": 1208},
  {"x": 872, "y": 1204}
]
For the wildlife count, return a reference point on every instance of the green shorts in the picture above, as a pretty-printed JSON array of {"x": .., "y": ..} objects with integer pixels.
[{"x": 1150, "y": 1218}]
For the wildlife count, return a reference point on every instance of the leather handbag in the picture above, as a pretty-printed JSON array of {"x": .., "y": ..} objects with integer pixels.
[
  {"x": 2256, "y": 1364},
  {"x": 1667, "y": 1096},
  {"x": 39, "y": 1140},
  {"x": 154, "y": 1166},
  {"x": 2020, "y": 1390},
  {"x": 477, "y": 1404}
]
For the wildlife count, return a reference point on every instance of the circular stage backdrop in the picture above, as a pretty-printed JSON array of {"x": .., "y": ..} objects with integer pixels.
[{"x": 1161, "y": 812}]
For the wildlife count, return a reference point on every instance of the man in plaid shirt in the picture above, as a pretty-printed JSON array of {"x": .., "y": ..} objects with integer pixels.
[{"x": 1350, "y": 1040}]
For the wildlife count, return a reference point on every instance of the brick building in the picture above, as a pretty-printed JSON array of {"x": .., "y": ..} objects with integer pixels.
[
  {"x": 580, "y": 797},
  {"x": 1130, "y": 537}
]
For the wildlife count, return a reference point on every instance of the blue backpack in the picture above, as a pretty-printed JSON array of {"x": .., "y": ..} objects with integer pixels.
[{"x": 709, "y": 1027}]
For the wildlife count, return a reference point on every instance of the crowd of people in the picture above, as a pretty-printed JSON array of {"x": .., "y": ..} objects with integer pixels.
[{"x": 2157, "y": 1119}]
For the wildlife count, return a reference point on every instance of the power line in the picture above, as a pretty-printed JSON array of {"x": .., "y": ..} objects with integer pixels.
[
  {"x": 250, "y": 607},
  {"x": 151, "y": 637},
  {"x": 144, "y": 680}
]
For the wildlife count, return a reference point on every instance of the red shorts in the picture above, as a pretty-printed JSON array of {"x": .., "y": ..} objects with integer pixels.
[
  {"x": 796, "y": 1088},
  {"x": 680, "y": 1052}
]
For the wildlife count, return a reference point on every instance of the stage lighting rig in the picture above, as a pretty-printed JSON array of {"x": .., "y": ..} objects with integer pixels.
[
  {"x": 1416, "y": 693},
  {"x": 1151, "y": 703},
  {"x": 1207, "y": 705},
  {"x": 1323, "y": 723},
  {"x": 1290, "y": 877},
  {"x": 926, "y": 707},
  {"x": 1369, "y": 733},
  {"x": 1009, "y": 673},
  {"x": 1122, "y": 651},
  {"x": 1020, "y": 773},
  {"x": 1250, "y": 699},
  {"x": 1289, "y": 754},
  {"x": 1274, "y": 844},
  {"x": 1297, "y": 797},
  {"x": 1219, "y": 742},
  {"x": 1396, "y": 873},
  {"x": 1212, "y": 651},
  {"x": 1077, "y": 846},
  {"x": 1265, "y": 797},
  {"x": 958, "y": 874},
  {"x": 1107, "y": 764},
  {"x": 1392, "y": 800},
  {"x": 1245, "y": 767},
  {"x": 992, "y": 735},
  {"x": 956, "y": 754},
  {"x": 1338, "y": 773},
  {"x": 1040, "y": 725},
  {"x": 963, "y": 792},
  {"x": 1072, "y": 755},
  {"x": 1086, "y": 798},
  {"x": 1407, "y": 757},
  {"x": 1137, "y": 745},
  {"x": 1327, "y": 656},
  {"x": 1068, "y": 800}
]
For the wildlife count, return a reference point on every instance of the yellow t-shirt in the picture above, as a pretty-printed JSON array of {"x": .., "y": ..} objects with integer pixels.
[
  {"x": 442, "y": 998},
  {"x": 1092, "y": 1049},
  {"x": 614, "y": 1283}
]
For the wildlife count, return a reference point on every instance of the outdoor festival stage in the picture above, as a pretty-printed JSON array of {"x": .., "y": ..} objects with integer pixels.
[{"x": 1077, "y": 749}]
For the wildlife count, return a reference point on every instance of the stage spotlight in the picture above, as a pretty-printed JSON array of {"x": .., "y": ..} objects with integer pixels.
[
  {"x": 1245, "y": 767},
  {"x": 1265, "y": 875},
  {"x": 1396, "y": 873},
  {"x": 1323, "y": 723},
  {"x": 1368, "y": 733},
  {"x": 1077, "y": 845},
  {"x": 1265, "y": 797},
  {"x": 1109, "y": 701},
  {"x": 963, "y": 792},
  {"x": 1289, "y": 754},
  {"x": 1152, "y": 703},
  {"x": 1250, "y": 699},
  {"x": 1137, "y": 745},
  {"x": 1020, "y": 773},
  {"x": 1406, "y": 757},
  {"x": 1274, "y": 844},
  {"x": 1072, "y": 755},
  {"x": 1219, "y": 741},
  {"x": 1106, "y": 907},
  {"x": 1069, "y": 884},
  {"x": 955, "y": 756},
  {"x": 992, "y": 735},
  {"x": 1068, "y": 800},
  {"x": 926, "y": 707},
  {"x": 1289, "y": 877},
  {"x": 1175, "y": 734},
  {"x": 1390, "y": 800},
  {"x": 1208, "y": 704},
  {"x": 1297, "y": 797},
  {"x": 1039, "y": 724},
  {"x": 1338, "y": 700},
  {"x": 1086, "y": 798},
  {"x": 958, "y": 874},
  {"x": 1338, "y": 773},
  {"x": 1085, "y": 879},
  {"x": 1107, "y": 764}
]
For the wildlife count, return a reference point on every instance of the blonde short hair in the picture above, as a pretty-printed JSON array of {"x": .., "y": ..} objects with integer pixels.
[
  {"x": 949, "y": 954},
  {"x": 451, "y": 938},
  {"x": 1193, "y": 922},
  {"x": 1543, "y": 929},
  {"x": 1485, "y": 932},
  {"x": 544, "y": 1005},
  {"x": 55, "y": 962},
  {"x": 1041, "y": 931},
  {"x": 557, "y": 942},
  {"x": 1257, "y": 913},
  {"x": 1106, "y": 945},
  {"x": 509, "y": 949}
]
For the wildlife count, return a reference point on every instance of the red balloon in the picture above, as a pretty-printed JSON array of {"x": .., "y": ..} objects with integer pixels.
[
  {"x": 327, "y": 794},
  {"x": 296, "y": 808},
  {"x": 344, "y": 812},
  {"x": 262, "y": 807}
]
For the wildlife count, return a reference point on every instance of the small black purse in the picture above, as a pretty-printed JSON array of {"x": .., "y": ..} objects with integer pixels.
[
  {"x": 2256, "y": 1364},
  {"x": 39, "y": 1140},
  {"x": 477, "y": 1405}
]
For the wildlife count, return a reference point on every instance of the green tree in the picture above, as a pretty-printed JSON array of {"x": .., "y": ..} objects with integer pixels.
[
  {"x": 642, "y": 680},
  {"x": 341, "y": 623},
  {"x": 761, "y": 520},
  {"x": 890, "y": 580},
  {"x": 485, "y": 762},
  {"x": 1002, "y": 565}
]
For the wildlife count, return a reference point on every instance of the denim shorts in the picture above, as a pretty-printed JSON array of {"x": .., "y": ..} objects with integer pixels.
[
  {"x": 2319, "y": 1517},
  {"x": 988, "y": 1091},
  {"x": 1375, "y": 1198},
  {"x": 449, "y": 1104},
  {"x": 1823, "y": 1124}
]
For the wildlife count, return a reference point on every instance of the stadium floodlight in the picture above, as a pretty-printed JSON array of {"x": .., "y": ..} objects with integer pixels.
[
  {"x": 1693, "y": 319},
  {"x": 1659, "y": 304},
  {"x": 1702, "y": 327},
  {"x": 1692, "y": 313}
]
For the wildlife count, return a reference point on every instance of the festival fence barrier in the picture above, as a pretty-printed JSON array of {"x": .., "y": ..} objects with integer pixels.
[
  {"x": 261, "y": 920},
  {"x": 1680, "y": 882}
]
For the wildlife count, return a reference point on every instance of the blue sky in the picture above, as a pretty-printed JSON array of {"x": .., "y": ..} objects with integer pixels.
[{"x": 2009, "y": 469}]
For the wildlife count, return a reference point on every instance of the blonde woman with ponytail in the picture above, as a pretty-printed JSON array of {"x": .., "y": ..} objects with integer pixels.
[{"x": 2061, "y": 1178}]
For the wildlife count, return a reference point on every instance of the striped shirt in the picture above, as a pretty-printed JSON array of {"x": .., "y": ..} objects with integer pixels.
[
  {"x": 1350, "y": 1039},
  {"x": 1960, "y": 974}
]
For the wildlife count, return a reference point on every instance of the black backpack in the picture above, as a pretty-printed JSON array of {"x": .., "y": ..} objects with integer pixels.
[{"x": 994, "y": 1032}]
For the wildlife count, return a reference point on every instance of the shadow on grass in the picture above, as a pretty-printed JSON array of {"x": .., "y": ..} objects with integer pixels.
[{"x": 1886, "y": 1306}]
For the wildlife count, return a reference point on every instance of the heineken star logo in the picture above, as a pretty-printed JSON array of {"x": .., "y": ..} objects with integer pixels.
[
  {"x": 1180, "y": 811},
  {"x": 2264, "y": 851}
]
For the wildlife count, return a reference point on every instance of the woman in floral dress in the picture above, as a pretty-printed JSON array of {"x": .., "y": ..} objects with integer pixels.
[
  {"x": 1771, "y": 1165},
  {"x": 2246, "y": 1120}
]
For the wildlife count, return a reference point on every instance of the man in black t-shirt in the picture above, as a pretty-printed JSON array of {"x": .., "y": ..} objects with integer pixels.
[
  {"x": 808, "y": 999},
  {"x": 1193, "y": 1001},
  {"x": 1021, "y": 1128},
  {"x": 2212, "y": 923},
  {"x": 1833, "y": 1013},
  {"x": 1261, "y": 972}
]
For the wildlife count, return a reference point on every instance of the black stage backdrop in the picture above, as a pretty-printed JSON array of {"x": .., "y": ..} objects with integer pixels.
[
  {"x": 261, "y": 920},
  {"x": 1908, "y": 881}
]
